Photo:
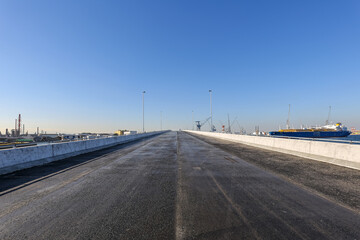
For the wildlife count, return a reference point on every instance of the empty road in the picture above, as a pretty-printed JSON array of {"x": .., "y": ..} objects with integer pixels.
[{"x": 172, "y": 186}]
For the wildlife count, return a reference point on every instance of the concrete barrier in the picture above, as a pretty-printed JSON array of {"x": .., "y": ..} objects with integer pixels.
[
  {"x": 342, "y": 154},
  {"x": 20, "y": 158}
]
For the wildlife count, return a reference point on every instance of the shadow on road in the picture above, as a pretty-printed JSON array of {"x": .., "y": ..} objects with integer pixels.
[{"x": 16, "y": 180}]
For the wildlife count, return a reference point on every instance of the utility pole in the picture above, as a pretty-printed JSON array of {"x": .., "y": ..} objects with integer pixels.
[
  {"x": 143, "y": 93},
  {"x": 211, "y": 121}
]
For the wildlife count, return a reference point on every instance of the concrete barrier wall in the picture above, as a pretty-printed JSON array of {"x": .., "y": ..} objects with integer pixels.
[
  {"x": 20, "y": 158},
  {"x": 343, "y": 154}
]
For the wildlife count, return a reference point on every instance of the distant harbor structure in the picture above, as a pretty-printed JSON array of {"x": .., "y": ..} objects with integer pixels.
[{"x": 354, "y": 131}]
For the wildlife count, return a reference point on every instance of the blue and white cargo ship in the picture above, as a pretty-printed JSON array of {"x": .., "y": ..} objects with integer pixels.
[{"x": 327, "y": 131}]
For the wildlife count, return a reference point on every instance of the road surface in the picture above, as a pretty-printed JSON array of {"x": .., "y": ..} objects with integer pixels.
[{"x": 173, "y": 186}]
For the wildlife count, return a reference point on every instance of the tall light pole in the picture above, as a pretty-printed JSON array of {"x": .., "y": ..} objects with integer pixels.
[
  {"x": 143, "y": 110},
  {"x": 211, "y": 121}
]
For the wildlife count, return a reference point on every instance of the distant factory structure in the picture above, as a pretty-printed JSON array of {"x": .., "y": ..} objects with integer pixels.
[
  {"x": 18, "y": 131},
  {"x": 124, "y": 132},
  {"x": 18, "y": 135},
  {"x": 18, "y": 128}
]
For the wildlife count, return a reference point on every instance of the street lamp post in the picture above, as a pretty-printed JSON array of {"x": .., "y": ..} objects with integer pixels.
[
  {"x": 211, "y": 121},
  {"x": 143, "y": 110}
]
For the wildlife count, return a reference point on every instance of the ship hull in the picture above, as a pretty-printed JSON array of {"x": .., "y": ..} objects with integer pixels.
[{"x": 312, "y": 134}]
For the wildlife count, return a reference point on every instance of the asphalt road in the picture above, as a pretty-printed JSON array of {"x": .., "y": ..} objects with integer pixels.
[
  {"x": 173, "y": 186},
  {"x": 339, "y": 184}
]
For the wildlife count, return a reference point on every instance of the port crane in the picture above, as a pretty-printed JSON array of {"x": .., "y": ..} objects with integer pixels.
[
  {"x": 328, "y": 119},
  {"x": 230, "y": 125},
  {"x": 199, "y": 125}
]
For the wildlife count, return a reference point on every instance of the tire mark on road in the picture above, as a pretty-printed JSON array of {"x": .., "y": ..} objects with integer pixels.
[
  {"x": 230, "y": 159},
  {"x": 235, "y": 206}
]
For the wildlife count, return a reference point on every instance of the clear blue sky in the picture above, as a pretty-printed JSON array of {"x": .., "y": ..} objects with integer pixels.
[{"x": 72, "y": 66}]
